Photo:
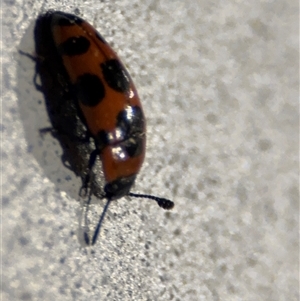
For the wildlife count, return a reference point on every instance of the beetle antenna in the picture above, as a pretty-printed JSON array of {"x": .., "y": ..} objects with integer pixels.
[
  {"x": 163, "y": 203},
  {"x": 96, "y": 233}
]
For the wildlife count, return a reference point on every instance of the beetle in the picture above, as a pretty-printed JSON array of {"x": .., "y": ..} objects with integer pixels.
[{"x": 91, "y": 96}]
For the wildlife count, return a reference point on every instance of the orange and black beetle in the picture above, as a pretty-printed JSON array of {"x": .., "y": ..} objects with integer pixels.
[{"x": 100, "y": 102}]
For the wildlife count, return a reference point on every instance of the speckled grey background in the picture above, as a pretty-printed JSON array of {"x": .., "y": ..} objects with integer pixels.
[{"x": 219, "y": 85}]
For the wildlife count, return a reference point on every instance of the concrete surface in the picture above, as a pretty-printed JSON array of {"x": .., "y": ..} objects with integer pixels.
[{"x": 219, "y": 85}]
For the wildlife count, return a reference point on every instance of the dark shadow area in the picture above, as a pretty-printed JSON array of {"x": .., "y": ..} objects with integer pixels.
[{"x": 64, "y": 157}]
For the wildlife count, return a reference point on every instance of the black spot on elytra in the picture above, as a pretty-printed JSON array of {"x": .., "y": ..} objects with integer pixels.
[
  {"x": 131, "y": 120},
  {"x": 99, "y": 37},
  {"x": 134, "y": 146},
  {"x": 90, "y": 89},
  {"x": 74, "y": 46},
  {"x": 101, "y": 140},
  {"x": 132, "y": 123},
  {"x": 115, "y": 75},
  {"x": 64, "y": 19}
]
